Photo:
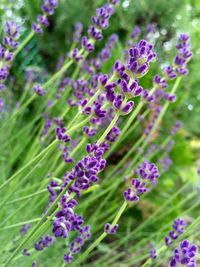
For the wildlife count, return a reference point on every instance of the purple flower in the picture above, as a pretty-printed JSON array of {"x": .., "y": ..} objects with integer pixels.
[
  {"x": 61, "y": 227},
  {"x": 44, "y": 242},
  {"x": 39, "y": 90},
  {"x": 153, "y": 252},
  {"x": 149, "y": 171},
  {"x": 61, "y": 134},
  {"x": 184, "y": 255},
  {"x": 140, "y": 57},
  {"x": 113, "y": 134},
  {"x": 24, "y": 229},
  {"x": 87, "y": 44},
  {"x": 135, "y": 32},
  {"x": 179, "y": 226},
  {"x": 132, "y": 193},
  {"x": 68, "y": 258},
  {"x": 48, "y": 9},
  {"x": 184, "y": 54},
  {"x": 110, "y": 230},
  {"x": 77, "y": 32}
]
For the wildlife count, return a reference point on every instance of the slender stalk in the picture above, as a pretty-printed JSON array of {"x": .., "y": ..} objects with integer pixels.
[{"x": 23, "y": 43}]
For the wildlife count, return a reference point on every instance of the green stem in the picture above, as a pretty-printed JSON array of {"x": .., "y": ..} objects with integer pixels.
[
  {"x": 20, "y": 224},
  {"x": 23, "y": 43}
]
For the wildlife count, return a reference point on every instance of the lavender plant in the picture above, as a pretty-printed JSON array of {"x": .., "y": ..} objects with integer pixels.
[{"x": 87, "y": 171}]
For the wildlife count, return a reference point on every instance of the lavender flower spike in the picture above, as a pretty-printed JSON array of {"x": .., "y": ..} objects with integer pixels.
[
  {"x": 184, "y": 255},
  {"x": 109, "y": 230}
]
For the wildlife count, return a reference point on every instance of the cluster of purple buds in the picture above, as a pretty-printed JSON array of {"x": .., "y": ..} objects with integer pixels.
[
  {"x": 61, "y": 135},
  {"x": 166, "y": 162},
  {"x": 47, "y": 126},
  {"x": 48, "y": 9},
  {"x": 76, "y": 55},
  {"x": 11, "y": 37},
  {"x": 44, "y": 242},
  {"x": 66, "y": 155},
  {"x": 176, "y": 127},
  {"x": 54, "y": 189},
  {"x": 149, "y": 171},
  {"x": 113, "y": 134},
  {"x": 101, "y": 20},
  {"x": 184, "y": 54},
  {"x": 87, "y": 44},
  {"x": 159, "y": 82},
  {"x": 179, "y": 226},
  {"x": 77, "y": 32},
  {"x": 77, "y": 244},
  {"x": 136, "y": 32},
  {"x": 88, "y": 131},
  {"x": 39, "y": 90},
  {"x": 6, "y": 51},
  {"x": 132, "y": 90},
  {"x": 25, "y": 228},
  {"x": 184, "y": 255},
  {"x": 108, "y": 229},
  {"x": 153, "y": 252},
  {"x": 140, "y": 57},
  {"x": 67, "y": 221},
  {"x": 132, "y": 193}
]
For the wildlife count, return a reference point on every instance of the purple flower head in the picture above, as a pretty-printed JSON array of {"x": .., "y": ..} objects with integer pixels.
[
  {"x": 42, "y": 20},
  {"x": 39, "y": 90},
  {"x": 110, "y": 230},
  {"x": 184, "y": 255},
  {"x": 169, "y": 73},
  {"x": 113, "y": 134},
  {"x": 24, "y": 229},
  {"x": 12, "y": 30},
  {"x": 37, "y": 28},
  {"x": 61, "y": 134},
  {"x": 48, "y": 9},
  {"x": 61, "y": 227},
  {"x": 184, "y": 54},
  {"x": 77, "y": 32},
  {"x": 12, "y": 35},
  {"x": 44, "y": 242},
  {"x": 87, "y": 45},
  {"x": 95, "y": 33},
  {"x": 151, "y": 27},
  {"x": 159, "y": 82},
  {"x": 179, "y": 226},
  {"x": 49, "y": 6},
  {"x": 132, "y": 193},
  {"x": 149, "y": 171},
  {"x": 76, "y": 55},
  {"x": 84, "y": 232},
  {"x": 68, "y": 258},
  {"x": 136, "y": 32},
  {"x": 76, "y": 245},
  {"x": 176, "y": 127},
  {"x": 153, "y": 252},
  {"x": 103, "y": 14},
  {"x": 140, "y": 57},
  {"x": 133, "y": 90}
]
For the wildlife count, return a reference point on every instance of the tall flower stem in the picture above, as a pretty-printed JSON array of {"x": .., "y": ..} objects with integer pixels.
[{"x": 23, "y": 43}]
